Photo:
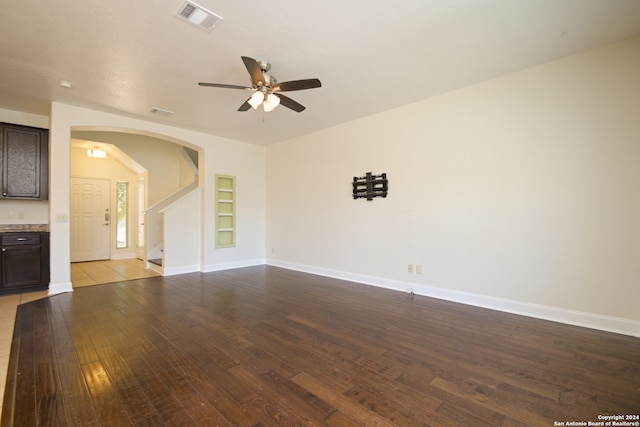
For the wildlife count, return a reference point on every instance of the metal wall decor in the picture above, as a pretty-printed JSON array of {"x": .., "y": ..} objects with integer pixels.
[{"x": 370, "y": 186}]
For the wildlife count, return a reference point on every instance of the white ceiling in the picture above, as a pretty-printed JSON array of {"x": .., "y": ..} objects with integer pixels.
[{"x": 128, "y": 57}]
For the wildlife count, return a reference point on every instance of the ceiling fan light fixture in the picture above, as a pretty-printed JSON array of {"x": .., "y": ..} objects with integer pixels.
[
  {"x": 274, "y": 100},
  {"x": 267, "y": 107},
  {"x": 271, "y": 101},
  {"x": 256, "y": 99}
]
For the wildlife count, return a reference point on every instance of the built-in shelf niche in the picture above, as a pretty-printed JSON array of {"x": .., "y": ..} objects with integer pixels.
[{"x": 225, "y": 211}]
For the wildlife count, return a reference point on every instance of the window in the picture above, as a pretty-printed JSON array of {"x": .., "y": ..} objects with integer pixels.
[{"x": 122, "y": 223}]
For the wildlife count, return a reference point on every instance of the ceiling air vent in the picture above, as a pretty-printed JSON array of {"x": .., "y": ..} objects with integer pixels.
[{"x": 198, "y": 16}]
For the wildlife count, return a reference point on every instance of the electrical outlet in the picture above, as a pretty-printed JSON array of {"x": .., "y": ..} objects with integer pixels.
[
  {"x": 410, "y": 268},
  {"x": 418, "y": 269}
]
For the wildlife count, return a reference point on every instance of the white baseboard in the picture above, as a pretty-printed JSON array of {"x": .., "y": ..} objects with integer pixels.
[
  {"x": 197, "y": 268},
  {"x": 577, "y": 318},
  {"x": 235, "y": 264},
  {"x": 58, "y": 288},
  {"x": 123, "y": 255},
  {"x": 180, "y": 270},
  {"x": 153, "y": 267}
]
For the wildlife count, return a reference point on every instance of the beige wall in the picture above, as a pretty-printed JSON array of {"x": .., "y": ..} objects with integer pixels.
[{"x": 520, "y": 193}]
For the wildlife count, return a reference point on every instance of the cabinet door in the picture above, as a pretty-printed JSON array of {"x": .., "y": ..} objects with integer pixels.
[
  {"x": 21, "y": 266},
  {"x": 24, "y": 162}
]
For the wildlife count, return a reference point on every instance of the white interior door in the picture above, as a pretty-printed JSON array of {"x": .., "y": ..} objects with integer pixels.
[{"x": 90, "y": 219}]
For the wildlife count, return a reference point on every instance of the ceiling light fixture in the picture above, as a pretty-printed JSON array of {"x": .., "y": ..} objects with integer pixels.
[
  {"x": 268, "y": 101},
  {"x": 66, "y": 84},
  {"x": 96, "y": 153},
  {"x": 273, "y": 99},
  {"x": 256, "y": 99}
]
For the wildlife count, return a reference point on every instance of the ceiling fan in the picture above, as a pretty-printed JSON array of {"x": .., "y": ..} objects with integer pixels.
[{"x": 266, "y": 89}]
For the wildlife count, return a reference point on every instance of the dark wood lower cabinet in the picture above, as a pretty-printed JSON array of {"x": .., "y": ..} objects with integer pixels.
[{"x": 24, "y": 262}]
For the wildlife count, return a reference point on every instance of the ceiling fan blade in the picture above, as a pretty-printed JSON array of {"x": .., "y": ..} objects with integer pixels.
[
  {"x": 225, "y": 86},
  {"x": 290, "y": 103},
  {"x": 297, "y": 85},
  {"x": 253, "y": 67},
  {"x": 246, "y": 106}
]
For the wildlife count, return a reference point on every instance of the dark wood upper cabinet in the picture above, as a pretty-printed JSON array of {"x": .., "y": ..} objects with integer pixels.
[{"x": 24, "y": 162}]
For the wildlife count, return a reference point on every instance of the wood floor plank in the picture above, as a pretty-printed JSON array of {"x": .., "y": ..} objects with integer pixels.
[
  {"x": 278, "y": 409},
  {"x": 166, "y": 405},
  {"x": 79, "y": 404},
  {"x": 10, "y": 398},
  {"x": 132, "y": 397},
  {"x": 62, "y": 341},
  {"x": 456, "y": 406},
  {"x": 168, "y": 366},
  {"x": 83, "y": 344},
  {"x": 265, "y": 346},
  {"x": 109, "y": 408},
  {"x": 49, "y": 400},
  {"x": 294, "y": 396},
  {"x": 452, "y": 358},
  {"x": 347, "y": 406},
  {"x": 501, "y": 402},
  {"x": 25, "y": 413}
]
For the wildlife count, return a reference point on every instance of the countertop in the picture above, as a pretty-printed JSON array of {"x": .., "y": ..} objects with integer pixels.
[{"x": 16, "y": 228}]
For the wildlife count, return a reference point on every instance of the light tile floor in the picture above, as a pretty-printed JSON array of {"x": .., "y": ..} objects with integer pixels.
[
  {"x": 98, "y": 272},
  {"x": 82, "y": 274}
]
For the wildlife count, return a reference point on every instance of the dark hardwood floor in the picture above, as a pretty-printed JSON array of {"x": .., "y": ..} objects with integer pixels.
[{"x": 265, "y": 346}]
